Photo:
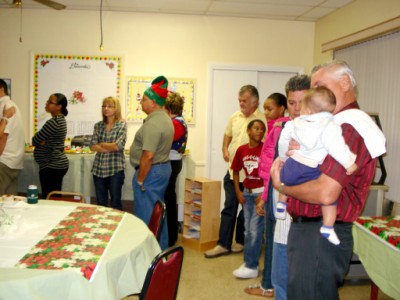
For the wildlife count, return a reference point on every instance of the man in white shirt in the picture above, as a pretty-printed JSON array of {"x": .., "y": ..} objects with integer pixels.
[{"x": 12, "y": 145}]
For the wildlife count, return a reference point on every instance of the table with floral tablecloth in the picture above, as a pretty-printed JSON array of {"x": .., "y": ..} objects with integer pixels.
[
  {"x": 377, "y": 244},
  {"x": 65, "y": 250}
]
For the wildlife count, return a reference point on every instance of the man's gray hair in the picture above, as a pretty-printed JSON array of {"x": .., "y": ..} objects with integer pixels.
[
  {"x": 253, "y": 92},
  {"x": 338, "y": 68},
  {"x": 298, "y": 83}
]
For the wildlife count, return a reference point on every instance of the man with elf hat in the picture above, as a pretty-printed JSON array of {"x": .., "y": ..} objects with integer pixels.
[{"x": 149, "y": 154}]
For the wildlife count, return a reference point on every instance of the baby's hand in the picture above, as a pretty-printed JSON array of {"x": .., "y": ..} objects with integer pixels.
[{"x": 351, "y": 169}]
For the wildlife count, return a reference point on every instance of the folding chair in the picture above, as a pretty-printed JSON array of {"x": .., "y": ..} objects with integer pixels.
[
  {"x": 157, "y": 219},
  {"x": 66, "y": 196},
  {"x": 162, "y": 278}
]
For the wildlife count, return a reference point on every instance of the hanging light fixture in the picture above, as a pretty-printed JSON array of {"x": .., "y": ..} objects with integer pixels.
[
  {"x": 101, "y": 26},
  {"x": 17, "y": 3}
]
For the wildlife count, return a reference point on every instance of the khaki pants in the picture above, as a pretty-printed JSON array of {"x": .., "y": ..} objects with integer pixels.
[{"x": 8, "y": 180}]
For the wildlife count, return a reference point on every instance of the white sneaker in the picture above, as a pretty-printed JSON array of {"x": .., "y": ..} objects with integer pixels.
[{"x": 244, "y": 272}]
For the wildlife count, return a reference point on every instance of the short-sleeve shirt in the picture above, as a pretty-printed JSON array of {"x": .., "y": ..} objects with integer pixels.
[
  {"x": 13, "y": 153},
  {"x": 248, "y": 159},
  {"x": 355, "y": 187},
  {"x": 237, "y": 129},
  {"x": 155, "y": 135},
  {"x": 107, "y": 164}
]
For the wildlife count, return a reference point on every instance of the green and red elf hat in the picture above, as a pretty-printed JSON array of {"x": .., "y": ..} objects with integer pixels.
[{"x": 158, "y": 90}]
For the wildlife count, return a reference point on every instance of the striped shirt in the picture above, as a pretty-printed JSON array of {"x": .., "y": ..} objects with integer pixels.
[
  {"x": 355, "y": 187},
  {"x": 108, "y": 163},
  {"x": 49, "y": 144}
]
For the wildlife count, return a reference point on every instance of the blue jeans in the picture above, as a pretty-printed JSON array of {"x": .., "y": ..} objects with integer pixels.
[
  {"x": 269, "y": 222},
  {"x": 228, "y": 217},
  {"x": 112, "y": 184},
  {"x": 253, "y": 231},
  {"x": 280, "y": 271},
  {"x": 155, "y": 185}
]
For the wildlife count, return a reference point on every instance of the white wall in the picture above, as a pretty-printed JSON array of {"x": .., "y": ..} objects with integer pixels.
[{"x": 152, "y": 44}]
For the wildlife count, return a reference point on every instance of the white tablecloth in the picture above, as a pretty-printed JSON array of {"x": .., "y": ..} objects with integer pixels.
[
  {"x": 122, "y": 270},
  {"x": 79, "y": 177}
]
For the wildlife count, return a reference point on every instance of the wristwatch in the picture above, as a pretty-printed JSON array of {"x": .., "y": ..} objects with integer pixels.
[
  {"x": 141, "y": 186},
  {"x": 281, "y": 186}
]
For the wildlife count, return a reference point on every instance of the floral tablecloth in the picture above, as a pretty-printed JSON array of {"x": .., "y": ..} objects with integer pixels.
[
  {"x": 388, "y": 228},
  {"x": 77, "y": 242}
]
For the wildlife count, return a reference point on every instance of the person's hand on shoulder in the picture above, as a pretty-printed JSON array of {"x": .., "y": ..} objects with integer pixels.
[{"x": 8, "y": 112}]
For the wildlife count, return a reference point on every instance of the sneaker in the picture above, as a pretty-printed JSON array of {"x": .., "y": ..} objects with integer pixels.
[
  {"x": 237, "y": 248},
  {"x": 244, "y": 272},
  {"x": 216, "y": 252}
]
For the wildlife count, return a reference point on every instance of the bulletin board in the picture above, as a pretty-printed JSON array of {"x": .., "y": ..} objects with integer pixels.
[
  {"x": 136, "y": 85},
  {"x": 84, "y": 80}
]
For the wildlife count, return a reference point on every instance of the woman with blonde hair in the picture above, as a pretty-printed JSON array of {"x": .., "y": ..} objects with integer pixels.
[{"x": 108, "y": 140}]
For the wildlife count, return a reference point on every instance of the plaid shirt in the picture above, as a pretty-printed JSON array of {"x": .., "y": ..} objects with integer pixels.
[
  {"x": 107, "y": 164},
  {"x": 355, "y": 187}
]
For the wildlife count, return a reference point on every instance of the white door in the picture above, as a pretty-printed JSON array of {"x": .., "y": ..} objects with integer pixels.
[{"x": 225, "y": 82}]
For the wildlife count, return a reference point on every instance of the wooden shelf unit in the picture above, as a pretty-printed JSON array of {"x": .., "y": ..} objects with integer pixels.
[{"x": 201, "y": 213}]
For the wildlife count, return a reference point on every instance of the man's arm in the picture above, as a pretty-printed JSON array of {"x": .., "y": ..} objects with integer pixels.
[
  {"x": 146, "y": 160},
  {"x": 323, "y": 190},
  {"x": 3, "y": 124},
  {"x": 7, "y": 114},
  {"x": 225, "y": 144},
  {"x": 3, "y": 141}
]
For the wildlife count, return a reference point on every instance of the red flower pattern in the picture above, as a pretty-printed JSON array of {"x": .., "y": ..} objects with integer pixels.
[
  {"x": 388, "y": 228},
  {"x": 77, "y": 242}
]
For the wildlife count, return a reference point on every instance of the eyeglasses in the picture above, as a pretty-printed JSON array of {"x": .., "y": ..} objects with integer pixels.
[
  {"x": 108, "y": 106},
  {"x": 49, "y": 102}
]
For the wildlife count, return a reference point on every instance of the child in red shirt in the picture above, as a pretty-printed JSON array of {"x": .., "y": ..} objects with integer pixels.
[{"x": 247, "y": 157}]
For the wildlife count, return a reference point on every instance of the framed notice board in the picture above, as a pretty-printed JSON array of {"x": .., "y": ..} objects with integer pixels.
[
  {"x": 85, "y": 80},
  {"x": 136, "y": 85}
]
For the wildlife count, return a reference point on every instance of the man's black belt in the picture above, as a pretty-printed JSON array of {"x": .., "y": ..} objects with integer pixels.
[
  {"x": 301, "y": 219},
  {"x": 156, "y": 164}
]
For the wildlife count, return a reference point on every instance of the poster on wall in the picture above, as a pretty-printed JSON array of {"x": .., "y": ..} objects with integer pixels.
[
  {"x": 84, "y": 80},
  {"x": 136, "y": 85}
]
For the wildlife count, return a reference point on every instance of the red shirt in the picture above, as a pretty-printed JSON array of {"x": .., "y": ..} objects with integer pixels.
[
  {"x": 248, "y": 159},
  {"x": 355, "y": 187}
]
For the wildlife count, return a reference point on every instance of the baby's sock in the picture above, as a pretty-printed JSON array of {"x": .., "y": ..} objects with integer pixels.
[
  {"x": 329, "y": 233},
  {"x": 280, "y": 212}
]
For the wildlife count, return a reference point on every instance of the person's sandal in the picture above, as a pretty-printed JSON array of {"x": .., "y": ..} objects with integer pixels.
[{"x": 258, "y": 290}]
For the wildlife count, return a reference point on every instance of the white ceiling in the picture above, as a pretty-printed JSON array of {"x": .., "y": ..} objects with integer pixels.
[{"x": 295, "y": 10}]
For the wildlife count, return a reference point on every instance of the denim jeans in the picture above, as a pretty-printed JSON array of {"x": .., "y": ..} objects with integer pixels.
[
  {"x": 113, "y": 185},
  {"x": 269, "y": 222},
  {"x": 155, "y": 185},
  {"x": 280, "y": 271},
  {"x": 228, "y": 217},
  {"x": 253, "y": 231}
]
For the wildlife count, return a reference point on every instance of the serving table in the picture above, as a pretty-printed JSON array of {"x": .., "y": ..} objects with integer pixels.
[
  {"x": 121, "y": 252},
  {"x": 377, "y": 244}
]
